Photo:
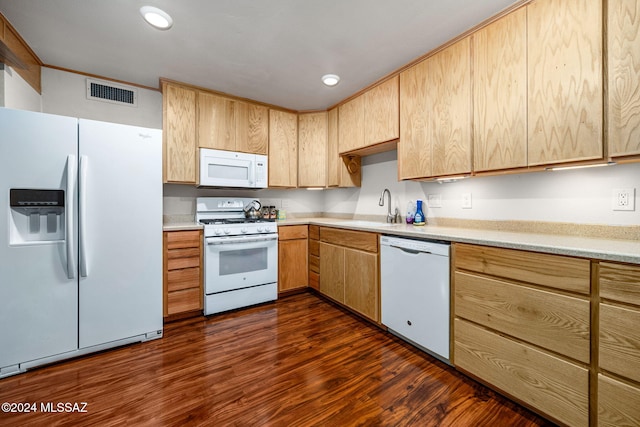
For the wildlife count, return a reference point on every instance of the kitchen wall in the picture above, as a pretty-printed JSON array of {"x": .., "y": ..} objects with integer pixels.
[
  {"x": 64, "y": 93},
  {"x": 577, "y": 196},
  {"x": 16, "y": 93}
]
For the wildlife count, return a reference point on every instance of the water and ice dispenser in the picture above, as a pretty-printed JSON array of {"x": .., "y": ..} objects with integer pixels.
[{"x": 36, "y": 216}]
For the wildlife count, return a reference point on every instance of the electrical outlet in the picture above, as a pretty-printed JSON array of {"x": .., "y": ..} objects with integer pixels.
[
  {"x": 466, "y": 200},
  {"x": 434, "y": 200},
  {"x": 623, "y": 199}
]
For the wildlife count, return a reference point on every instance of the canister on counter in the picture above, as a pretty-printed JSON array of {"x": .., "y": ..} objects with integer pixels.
[{"x": 273, "y": 213}]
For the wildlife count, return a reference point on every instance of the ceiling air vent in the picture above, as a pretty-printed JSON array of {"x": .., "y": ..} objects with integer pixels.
[{"x": 114, "y": 93}]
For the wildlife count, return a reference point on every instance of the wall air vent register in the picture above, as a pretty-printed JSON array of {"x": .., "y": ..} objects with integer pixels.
[{"x": 114, "y": 93}]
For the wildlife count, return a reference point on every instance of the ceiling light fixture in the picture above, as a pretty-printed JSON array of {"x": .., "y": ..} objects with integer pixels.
[
  {"x": 157, "y": 18},
  {"x": 330, "y": 79}
]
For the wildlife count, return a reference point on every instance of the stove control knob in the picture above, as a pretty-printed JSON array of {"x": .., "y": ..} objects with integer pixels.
[
  {"x": 227, "y": 231},
  {"x": 244, "y": 231},
  {"x": 218, "y": 231},
  {"x": 261, "y": 230}
]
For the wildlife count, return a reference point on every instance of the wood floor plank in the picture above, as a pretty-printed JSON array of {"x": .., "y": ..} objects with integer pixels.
[{"x": 298, "y": 362}]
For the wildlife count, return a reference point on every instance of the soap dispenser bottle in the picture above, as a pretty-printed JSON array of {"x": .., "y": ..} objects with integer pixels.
[{"x": 419, "y": 218}]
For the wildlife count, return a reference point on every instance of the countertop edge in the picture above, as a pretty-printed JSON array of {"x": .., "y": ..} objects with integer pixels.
[{"x": 583, "y": 247}]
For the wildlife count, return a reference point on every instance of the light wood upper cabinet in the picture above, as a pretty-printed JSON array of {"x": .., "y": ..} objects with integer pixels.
[
  {"x": 341, "y": 171},
  {"x": 179, "y": 145},
  {"x": 232, "y": 125},
  {"x": 371, "y": 118},
  {"x": 283, "y": 149},
  {"x": 414, "y": 147},
  {"x": 435, "y": 115},
  {"x": 623, "y": 27},
  {"x": 216, "y": 128},
  {"x": 351, "y": 125},
  {"x": 449, "y": 109},
  {"x": 565, "y": 81},
  {"x": 381, "y": 112},
  {"x": 500, "y": 94},
  {"x": 252, "y": 128},
  {"x": 312, "y": 150}
]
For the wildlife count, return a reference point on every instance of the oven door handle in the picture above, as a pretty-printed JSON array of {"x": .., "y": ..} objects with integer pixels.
[{"x": 231, "y": 240}]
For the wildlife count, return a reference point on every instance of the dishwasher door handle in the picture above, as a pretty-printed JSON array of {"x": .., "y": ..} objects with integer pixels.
[{"x": 409, "y": 251}]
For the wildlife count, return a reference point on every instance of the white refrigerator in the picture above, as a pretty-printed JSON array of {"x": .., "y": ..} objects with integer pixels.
[{"x": 80, "y": 237}]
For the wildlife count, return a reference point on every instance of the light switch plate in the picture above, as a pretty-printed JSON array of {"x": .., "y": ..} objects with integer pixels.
[
  {"x": 466, "y": 200},
  {"x": 434, "y": 200}
]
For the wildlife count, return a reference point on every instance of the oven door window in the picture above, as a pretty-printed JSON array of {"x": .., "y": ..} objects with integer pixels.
[
  {"x": 240, "y": 265},
  {"x": 242, "y": 261}
]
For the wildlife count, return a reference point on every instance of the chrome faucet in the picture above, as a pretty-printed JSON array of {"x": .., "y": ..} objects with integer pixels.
[{"x": 390, "y": 217}]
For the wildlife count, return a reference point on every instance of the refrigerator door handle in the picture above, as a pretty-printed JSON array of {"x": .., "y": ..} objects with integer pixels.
[
  {"x": 71, "y": 179},
  {"x": 82, "y": 190}
]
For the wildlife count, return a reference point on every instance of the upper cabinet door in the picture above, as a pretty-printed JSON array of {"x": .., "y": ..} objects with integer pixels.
[
  {"x": 500, "y": 94},
  {"x": 312, "y": 150},
  {"x": 351, "y": 125},
  {"x": 565, "y": 81},
  {"x": 252, "y": 128},
  {"x": 179, "y": 123},
  {"x": 217, "y": 124},
  {"x": 283, "y": 149},
  {"x": 341, "y": 171},
  {"x": 381, "y": 113},
  {"x": 449, "y": 108},
  {"x": 623, "y": 27},
  {"x": 414, "y": 147}
]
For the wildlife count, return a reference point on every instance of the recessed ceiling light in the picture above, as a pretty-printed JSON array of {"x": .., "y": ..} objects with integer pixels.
[
  {"x": 157, "y": 18},
  {"x": 330, "y": 79}
]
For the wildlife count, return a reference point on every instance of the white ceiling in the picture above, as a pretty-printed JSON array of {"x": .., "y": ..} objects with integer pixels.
[{"x": 273, "y": 51}]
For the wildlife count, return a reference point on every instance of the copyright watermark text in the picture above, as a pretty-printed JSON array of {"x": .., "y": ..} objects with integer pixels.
[{"x": 22, "y": 407}]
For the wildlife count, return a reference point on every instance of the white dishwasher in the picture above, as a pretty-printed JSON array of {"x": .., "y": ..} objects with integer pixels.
[{"x": 415, "y": 292}]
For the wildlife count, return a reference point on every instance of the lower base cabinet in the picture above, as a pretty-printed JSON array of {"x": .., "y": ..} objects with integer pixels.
[
  {"x": 292, "y": 257},
  {"x": 349, "y": 269},
  {"x": 523, "y": 326},
  {"x": 182, "y": 276}
]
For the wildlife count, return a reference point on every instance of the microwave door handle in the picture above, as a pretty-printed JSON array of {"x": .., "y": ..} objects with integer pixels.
[{"x": 252, "y": 172}]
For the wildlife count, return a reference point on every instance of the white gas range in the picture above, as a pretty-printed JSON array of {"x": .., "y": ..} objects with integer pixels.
[{"x": 241, "y": 255}]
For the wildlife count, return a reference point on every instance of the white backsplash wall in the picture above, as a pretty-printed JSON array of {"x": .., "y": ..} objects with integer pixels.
[
  {"x": 180, "y": 200},
  {"x": 576, "y": 196}
]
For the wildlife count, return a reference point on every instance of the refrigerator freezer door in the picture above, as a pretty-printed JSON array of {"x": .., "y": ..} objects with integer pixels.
[
  {"x": 38, "y": 301},
  {"x": 121, "y": 248}
]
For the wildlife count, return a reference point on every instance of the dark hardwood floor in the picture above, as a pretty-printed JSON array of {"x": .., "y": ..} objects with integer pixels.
[{"x": 298, "y": 362}]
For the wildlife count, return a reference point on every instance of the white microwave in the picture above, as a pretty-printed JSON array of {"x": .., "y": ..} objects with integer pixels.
[{"x": 220, "y": 168}]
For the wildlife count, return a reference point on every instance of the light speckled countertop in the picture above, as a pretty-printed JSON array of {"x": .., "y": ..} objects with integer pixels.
[{"x": 585, "y": 247}]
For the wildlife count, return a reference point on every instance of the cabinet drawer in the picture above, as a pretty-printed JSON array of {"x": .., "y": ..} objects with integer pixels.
[
  {"x": 314, "y": 263},
  {"x": 290, "y": 232},
  {"x": 620, "y": 282},
  {"x": 556, "y": 271},
  {"x": 184, "y": 300},
  {"x": 620, "y": 341},
  {"x": 618, "y": 403},
  {"x": 548, "y": 383},
  {"x": 314, "y": 232},
  {"x": 314, "y": 280},
  {"x": 183, "y": 253},
  {"x": 183, "y": 279},
  {"x": 178, "y": 263},
  {"x": 349, "y": 238},
  {"x": 557, "y": 322},
  {"x": 183, "y": 239},
  {"x": 314, "y": 247}
]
